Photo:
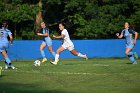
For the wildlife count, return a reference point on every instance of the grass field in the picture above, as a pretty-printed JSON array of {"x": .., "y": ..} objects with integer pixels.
[{"x": 72, "y": 76}]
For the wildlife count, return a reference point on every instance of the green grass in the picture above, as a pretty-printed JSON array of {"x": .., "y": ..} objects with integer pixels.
[{"x": 72, "y": 76}]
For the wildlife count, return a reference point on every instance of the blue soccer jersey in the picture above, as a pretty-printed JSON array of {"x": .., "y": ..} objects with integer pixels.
[
  {"x": 128, "y": 34},
  {"x": 47, "y": 39},
  {"x": 4, "y": 43},
  {"x": 4, "y": 33}
]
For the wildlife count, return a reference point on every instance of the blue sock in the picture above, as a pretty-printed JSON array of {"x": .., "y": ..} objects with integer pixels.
[
  {"x": 8, "y": 61},
  {"x": 53, "y": 53},
  {"x": 131, "y": 57},
  {"x": 131, "y": 53},
  {"x": 43, "y": 54}
]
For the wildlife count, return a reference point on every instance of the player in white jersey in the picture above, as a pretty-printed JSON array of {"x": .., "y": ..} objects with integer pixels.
[{"x": 67, "y": 44}]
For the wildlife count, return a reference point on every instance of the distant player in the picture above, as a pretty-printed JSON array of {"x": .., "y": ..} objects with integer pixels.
[
  {"x": 130, "y": 41},
  {"x": 4, "y": 44},
  {"x": 67, "y": 44},
  {"x": 47, "y": 41}
]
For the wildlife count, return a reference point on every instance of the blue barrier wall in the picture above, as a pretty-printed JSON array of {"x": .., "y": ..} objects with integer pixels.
[{"x": 93, "y": 48}]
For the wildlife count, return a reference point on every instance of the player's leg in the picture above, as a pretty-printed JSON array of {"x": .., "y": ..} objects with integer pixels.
[
  {"x": 136, "y": 55},
  {"x": 42, "y": 46},
  {"x": 59, "y": 50},
  {"x": 130, "y": 54},
  {"x": 49, "y": 44},
  {"x": 8, "y": 61},
  {"x": 1, "y": 50},
  {"x": 75, "y": 53},
  {"x": 51, "y": 50},
  {"x": 6, "y": 64}
]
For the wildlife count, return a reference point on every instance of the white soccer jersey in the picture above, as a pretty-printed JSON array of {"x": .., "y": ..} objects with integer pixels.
[{"x": 67, "y": 42}]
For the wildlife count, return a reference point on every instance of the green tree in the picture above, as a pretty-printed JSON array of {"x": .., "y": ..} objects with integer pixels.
[
  {"x": 93, "y": 19},
  {"x": 85, "y": 19},
  {"x": 18, "y": 12}
]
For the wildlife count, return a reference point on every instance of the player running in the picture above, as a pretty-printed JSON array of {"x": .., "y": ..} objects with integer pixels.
[
  {"x": 67, "y": 44},
  {"x": 4, "y": 44},
  {"x": 46, "y": 41},
  {"x": 130, "y": 41}
]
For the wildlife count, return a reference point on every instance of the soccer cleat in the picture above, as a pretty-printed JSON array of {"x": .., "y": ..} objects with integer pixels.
[
  {"x": 54, "y": 63},
  {"x": 13, "y": 67},
  {"x": 85, "y": 56},
  {"x": 135, "y": 63},
  {"x": 5, "y": 67},
  {"x": 135, "y": 55},
  {"x": 44, "y": 59}
]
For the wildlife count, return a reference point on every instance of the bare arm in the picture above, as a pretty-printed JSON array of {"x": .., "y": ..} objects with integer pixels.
[
  {"x": 119, "y": 36},
  {"x": 39, "y": 34},
  {"x": 11, "y": 39},
  {"x": 136, "y": 36},
  {"x": 58, "y": 37}
]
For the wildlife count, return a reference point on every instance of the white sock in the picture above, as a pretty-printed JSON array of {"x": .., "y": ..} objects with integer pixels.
[
  {"x": 56, "y": 57},
  {"x": 81, "y": 55}
]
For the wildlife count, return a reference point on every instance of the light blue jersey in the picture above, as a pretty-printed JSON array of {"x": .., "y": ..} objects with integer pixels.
[
  {"x": 4, "y": 43},
  {"x": 128, "y": 34},
  {"x": 46, "y": 39}
]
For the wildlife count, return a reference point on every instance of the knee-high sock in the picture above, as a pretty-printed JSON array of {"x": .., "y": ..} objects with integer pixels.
[
  {"x": 8, "y": 61},
  {"x": 81, "y": 55},
  {"x": 56, "y": 57},
  {"x": 131, "y": 57},
  {"x": 53, "y": 53},
  {"x": 43, "y": 53}
]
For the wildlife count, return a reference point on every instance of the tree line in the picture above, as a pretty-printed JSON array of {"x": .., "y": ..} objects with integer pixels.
[{"x": 85, "y": 19}]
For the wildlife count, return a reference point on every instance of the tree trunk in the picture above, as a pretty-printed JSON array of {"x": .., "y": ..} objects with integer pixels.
[{"x": 39, "y": 17}]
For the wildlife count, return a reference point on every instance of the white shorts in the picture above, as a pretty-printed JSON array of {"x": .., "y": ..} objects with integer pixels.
[{"x": 70, "y": 47}]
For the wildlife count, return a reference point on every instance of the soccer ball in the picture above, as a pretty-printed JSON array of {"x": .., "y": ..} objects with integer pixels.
[{"x": 37, "y": 63}]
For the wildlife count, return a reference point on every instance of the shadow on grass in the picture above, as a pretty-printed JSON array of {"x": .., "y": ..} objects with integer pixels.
[
  {"x": 1, "y": 76},
  {"x": 25, "y": 88},
  {"x": 129, "y": 63}
]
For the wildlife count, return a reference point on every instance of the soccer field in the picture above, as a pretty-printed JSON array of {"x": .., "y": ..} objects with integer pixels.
[{"x": 72, "y": 76}]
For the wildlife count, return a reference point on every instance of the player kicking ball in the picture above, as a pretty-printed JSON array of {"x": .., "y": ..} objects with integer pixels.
[{"x": 67, "y": 44}]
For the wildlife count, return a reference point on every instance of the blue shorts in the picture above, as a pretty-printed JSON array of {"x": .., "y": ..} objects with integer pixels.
[
  {"x": 47, "y": 41},
  {"x": 4, "y": 46},
  {"x": 131, "y": 46}
]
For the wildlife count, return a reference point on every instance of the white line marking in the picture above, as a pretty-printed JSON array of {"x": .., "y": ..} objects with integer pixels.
[
  {"x": 65, "y": 73},
  {"x": 70, "y": 73}
]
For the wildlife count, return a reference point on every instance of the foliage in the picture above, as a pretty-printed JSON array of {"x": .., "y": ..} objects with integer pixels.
[
  {"x": 17, "y": 12},
  {"x": 93, "y": 19},
  {"x": 85, "y": 19}
]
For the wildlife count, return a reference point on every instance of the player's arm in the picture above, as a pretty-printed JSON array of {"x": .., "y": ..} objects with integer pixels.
[
  {"x": 39, "y": 34},
  {"x": 119, "y": 36},
  {"x": 58, "y": 37},
  {"x": 136, "y": 36},
  {"x": 11, "y": 39}
]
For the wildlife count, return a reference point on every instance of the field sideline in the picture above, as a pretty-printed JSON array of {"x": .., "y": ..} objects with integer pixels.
[{"x": 73, "y": 76}]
